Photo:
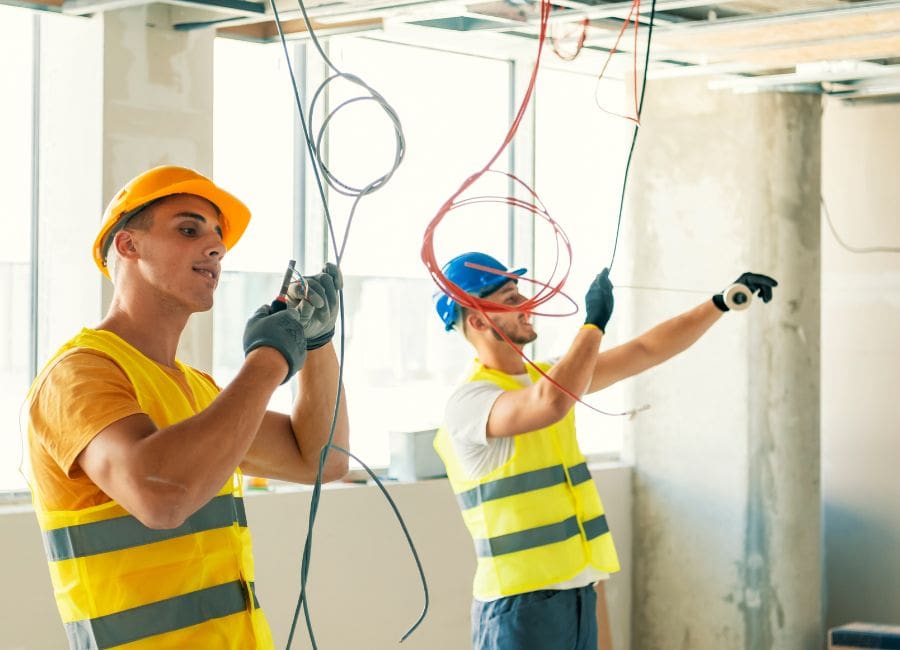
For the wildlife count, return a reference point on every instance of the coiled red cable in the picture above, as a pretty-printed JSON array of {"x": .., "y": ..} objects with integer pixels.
[{"x": 548, "y": 290}]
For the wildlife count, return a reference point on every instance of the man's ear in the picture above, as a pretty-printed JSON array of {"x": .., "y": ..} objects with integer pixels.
[
  {"x": 476, "y": 322},
  {"x": 125, "y": 244}
]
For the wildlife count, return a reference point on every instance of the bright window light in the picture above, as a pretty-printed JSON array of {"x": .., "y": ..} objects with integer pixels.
[
  {"x": 16, "y": 341},
  {"x": 580, "y": 162}
]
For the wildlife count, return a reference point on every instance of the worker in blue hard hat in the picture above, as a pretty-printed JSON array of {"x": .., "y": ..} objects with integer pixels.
[
  {"x": 463, "y": 272},
  {"x": 542, "y": 540}
]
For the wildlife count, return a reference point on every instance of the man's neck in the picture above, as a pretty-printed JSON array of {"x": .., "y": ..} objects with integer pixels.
[
  {"x": 503, "y": 357},
  {"x": 154, "y": 332}
]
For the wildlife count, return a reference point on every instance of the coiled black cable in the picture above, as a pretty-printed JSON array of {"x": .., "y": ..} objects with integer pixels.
[{"x": 320, "y": 171}]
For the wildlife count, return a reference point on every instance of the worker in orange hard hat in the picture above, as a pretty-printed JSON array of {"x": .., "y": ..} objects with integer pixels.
[
  {"x": 143, "y": 190},
  {"x": 136, "y": 457}
]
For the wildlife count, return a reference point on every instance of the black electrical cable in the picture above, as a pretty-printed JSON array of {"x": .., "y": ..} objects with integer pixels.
[
  {"x": 862, "y": 250},
  {"x": 321, "y": 170},
  {"x": 639, "y": 107}
]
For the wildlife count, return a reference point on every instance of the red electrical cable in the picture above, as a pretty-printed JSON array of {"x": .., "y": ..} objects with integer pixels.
[
  {"x": 549, "y": 289},
  {"x": 633, "y": 16},
  {"x": 578, "y": 46}
]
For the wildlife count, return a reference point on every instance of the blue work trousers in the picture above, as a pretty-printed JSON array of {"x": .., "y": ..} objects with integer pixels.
[{"x": 548, "y": 619}]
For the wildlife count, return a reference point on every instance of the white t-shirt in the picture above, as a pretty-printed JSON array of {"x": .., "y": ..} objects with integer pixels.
[{"x": 465, "y": 420}]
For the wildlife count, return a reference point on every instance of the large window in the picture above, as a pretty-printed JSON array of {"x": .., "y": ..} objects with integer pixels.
[
  {"x": 400, "y": 365},
  {"x": 253, "y": 157},
  {"x": 50, "y": 73},
  {"x": 580, "y": 154},
  {"x": 16, "y": 322}
]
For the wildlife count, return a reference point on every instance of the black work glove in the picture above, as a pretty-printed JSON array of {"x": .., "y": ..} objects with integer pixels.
[
  {"x": 757, "y": 283},
  {"x": 598, "y": 303},
  {"x": 282, "y": 330},
  {"x": 318, "y": 304}
]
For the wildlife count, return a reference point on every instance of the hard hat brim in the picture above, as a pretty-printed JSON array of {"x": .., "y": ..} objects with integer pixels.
[{"x": 492, "y": 287}]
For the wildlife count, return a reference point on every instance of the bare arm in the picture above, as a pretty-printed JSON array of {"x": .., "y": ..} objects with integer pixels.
[
  {"x": 162, "y": 476},
  {"x": 653, "y": 347},
  {"x": 542, "y": 404},
  {"x": 288, "y": 448}
]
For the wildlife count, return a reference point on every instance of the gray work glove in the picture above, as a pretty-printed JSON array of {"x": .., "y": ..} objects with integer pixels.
[
  {"x": 598, "y": 303},
  {"x": 319, "y": 306},
  {"x": 758, "y": 283},
  {"x": 282, "y": 330}
]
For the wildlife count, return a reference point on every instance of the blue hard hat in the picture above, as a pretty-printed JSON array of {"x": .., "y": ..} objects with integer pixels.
[{"x": 474, "y": 281}]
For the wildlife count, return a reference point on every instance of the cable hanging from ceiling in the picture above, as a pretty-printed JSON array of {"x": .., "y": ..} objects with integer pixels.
[
  {"x": 323, "y": 175},
  {"x": 632, "y": 18},
  {"x": 532, "y": 204},
  {"x": 638, "y": 104}
]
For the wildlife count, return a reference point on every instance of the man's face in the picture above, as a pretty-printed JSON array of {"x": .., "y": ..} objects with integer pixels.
[
  {"x": 180, "y": 254},
  {"x": 515, "y": 325}
]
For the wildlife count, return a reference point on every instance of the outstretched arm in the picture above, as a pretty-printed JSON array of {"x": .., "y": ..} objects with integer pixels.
[{"x": 674, "y": 335}]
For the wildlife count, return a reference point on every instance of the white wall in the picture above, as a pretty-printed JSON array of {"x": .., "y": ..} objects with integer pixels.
[
  {"x": 364, "y": 590},
  {"x": 861, "y": 364}
]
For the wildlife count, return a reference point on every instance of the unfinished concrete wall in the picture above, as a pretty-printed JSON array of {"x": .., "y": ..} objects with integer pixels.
[
  {"x": 727, "y": 491},
  {"x": 157, "y": 110},
  {"x": 860, "y": 369}
]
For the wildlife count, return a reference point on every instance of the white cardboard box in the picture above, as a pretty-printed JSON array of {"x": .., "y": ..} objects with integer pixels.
[{"x": 413, "y": 456}]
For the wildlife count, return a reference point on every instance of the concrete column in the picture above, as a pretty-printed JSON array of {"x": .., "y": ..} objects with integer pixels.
[
  {"x": 727, "y": 494},
  {"x": 157, "y": 110}
]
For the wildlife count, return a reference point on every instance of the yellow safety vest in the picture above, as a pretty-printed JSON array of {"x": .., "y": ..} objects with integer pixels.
[
  {"x": 537, "y": 520},
  {"x": 119, "y": 584}
]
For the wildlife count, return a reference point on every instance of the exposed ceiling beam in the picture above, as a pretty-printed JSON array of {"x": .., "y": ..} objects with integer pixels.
[
  {"x": 234, "y": 7},
  {"x": 296, "y": 29},
  {"x": 54, "y": 6},
  {"x": 622, "y": 9},
  {"x": 87, "y": 7},
  {"x": 705, "y": 70},
  {"x": 818, "y": 27},
  {"x": 342, "y": 12},
  {"x": 775, "y": 50},
  {"x": 785, "y": 17},
  {"x": 838, "y": 71}
]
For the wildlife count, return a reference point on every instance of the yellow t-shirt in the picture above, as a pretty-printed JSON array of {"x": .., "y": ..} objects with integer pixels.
[{"x": 84, "y": 393}]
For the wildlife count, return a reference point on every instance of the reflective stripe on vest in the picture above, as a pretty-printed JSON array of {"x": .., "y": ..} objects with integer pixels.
[
  {"x": 540, "y": 536},
  {"x": 127, "y": 532},
  {"x": 521, "y": 483},
  {"x": 160, "y": 617}
]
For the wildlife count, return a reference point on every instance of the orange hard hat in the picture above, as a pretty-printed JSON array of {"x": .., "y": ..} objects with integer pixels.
[{"x": 164, "y": 181}]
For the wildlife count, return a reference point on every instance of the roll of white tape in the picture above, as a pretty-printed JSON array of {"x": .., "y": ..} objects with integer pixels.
[{"x": 737, "y": 297}]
